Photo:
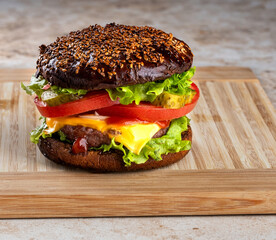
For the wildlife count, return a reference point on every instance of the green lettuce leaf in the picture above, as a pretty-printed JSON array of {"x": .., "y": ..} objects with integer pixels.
[
  {"x": 36, "y": 87},
  {"x": 60, "y": 90},
  {"x": 168, "y": 143},
  {"x": 39, "y": 132},
  {"x": 62, "y": 136},
  {"x": 179, "y": 84}
]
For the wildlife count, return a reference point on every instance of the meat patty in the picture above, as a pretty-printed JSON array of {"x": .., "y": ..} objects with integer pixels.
[{"x": 94, "y": 137}]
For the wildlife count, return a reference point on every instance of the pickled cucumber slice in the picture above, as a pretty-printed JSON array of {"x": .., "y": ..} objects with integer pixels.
[
  {"x": 54, "y": 99},
  {"x": 173, "y": 101}
]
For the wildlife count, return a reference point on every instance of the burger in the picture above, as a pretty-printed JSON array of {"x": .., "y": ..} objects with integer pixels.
[{"x": 114, "y": 98}]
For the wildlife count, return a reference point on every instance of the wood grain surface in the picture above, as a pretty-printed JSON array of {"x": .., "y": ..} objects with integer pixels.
[
  {"x": 230, "y": 169},
  {"x": 141, "y": 194}
]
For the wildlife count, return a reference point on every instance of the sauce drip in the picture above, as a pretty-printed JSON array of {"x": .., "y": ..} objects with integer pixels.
[{"x": 79, "y": 146}]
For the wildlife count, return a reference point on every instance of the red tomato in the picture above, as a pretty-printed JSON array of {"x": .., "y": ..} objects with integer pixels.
[
  {"x": 91, "y": 101},
  {"x": 148, "y": 112},
  {"x": 129, "y": 121}
]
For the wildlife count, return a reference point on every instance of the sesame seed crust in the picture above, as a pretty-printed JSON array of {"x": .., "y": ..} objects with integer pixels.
[{"x": 115, "y": 55}]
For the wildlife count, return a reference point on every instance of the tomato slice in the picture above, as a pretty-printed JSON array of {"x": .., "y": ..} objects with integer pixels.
[
  {"x": 91, "y": 101},
  {"x": 148, "y": 112}
]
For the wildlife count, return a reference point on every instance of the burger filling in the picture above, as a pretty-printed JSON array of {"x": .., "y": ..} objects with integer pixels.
[
  {"x": 137, "y": 142},
  {"x": 141, "y": 121}
]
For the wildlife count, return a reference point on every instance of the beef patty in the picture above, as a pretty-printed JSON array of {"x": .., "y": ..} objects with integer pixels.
[{"x": 96, "y": 138}]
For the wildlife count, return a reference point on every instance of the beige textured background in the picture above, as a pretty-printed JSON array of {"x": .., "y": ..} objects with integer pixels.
[{"x": 220, "y": 33}]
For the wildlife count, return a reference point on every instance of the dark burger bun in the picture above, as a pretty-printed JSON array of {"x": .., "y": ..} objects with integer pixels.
[
  {"x": 60, "y": 152},
  {"x": 115, "y": 55}
]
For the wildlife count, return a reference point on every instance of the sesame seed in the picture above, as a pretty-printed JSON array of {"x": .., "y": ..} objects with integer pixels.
[{"x": 110, "y": 48}]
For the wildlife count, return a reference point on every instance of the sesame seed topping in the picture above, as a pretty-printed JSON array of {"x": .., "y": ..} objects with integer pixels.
[{"x": 108, "y": 49}]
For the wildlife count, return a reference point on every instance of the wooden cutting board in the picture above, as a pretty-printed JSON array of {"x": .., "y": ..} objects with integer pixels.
[{"x": 231, "y": 168}]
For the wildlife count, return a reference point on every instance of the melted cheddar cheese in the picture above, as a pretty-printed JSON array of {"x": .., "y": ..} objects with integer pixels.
[{"x": 134, "y": 137}]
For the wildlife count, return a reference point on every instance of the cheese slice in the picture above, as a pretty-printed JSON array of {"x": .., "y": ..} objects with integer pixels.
[{"x": 134, "y": 137}]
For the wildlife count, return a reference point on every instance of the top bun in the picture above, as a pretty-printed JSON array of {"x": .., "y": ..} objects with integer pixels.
[{"x": 115, "y": 55}]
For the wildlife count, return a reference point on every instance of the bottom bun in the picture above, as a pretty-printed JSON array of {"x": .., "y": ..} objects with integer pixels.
[{"x": 98, "y": 161}]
